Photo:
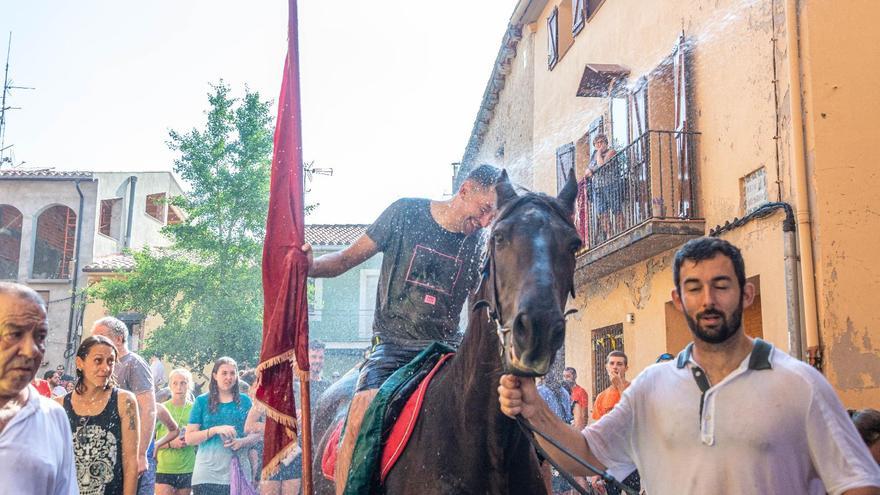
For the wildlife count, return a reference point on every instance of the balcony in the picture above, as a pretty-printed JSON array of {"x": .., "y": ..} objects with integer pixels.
[{"x": 639, "y": 204}]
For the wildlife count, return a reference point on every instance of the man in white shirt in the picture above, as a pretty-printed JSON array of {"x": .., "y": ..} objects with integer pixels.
[
  {"x": 730, "y": 415},
  {"x": 36, "y": 447}
]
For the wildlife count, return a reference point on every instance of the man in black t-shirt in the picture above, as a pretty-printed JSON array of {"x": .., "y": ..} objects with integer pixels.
[{"x": 431, "y": 254}]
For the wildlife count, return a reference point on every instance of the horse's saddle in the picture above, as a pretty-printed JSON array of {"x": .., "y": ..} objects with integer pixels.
[{"x": 394, "y": 412}]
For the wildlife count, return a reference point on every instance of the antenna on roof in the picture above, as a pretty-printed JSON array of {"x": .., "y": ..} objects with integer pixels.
[{"x": 7, "y": 86}]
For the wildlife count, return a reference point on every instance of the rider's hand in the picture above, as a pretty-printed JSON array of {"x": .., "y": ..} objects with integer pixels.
[
  {"x": 142, "y": 464},
  {"x": 518, "y": 396},
  {"x": 307, "y": 249}
]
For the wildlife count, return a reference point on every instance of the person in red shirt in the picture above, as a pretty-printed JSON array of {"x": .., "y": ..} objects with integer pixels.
[
  {"x": 616, "y": 365},
  {"x": 42, "y": 387},
  {"x": 580, "y": 400}
]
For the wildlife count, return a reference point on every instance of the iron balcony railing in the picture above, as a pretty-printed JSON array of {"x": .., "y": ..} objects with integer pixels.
[{"x": 652, "y": 178}]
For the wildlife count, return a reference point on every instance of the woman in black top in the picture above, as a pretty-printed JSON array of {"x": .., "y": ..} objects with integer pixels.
[{"x": 104, "y": 422}]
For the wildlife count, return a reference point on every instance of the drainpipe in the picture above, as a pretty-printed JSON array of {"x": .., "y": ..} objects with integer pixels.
[
  {"x": 792, "y": 297},
  {"x": 68, "y": 353},
  {"x": 132, "y": 181},
  {"x": 799, "y": 173}
]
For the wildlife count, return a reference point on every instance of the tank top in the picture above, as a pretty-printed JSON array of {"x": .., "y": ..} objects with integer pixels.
[{"x": 97, "y": 447}]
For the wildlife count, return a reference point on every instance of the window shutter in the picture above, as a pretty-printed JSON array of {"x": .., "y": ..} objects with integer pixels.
[
  {"x": 553, "y": 38},
  {"x": 564, "y": 165},
  {"x": 683, "y": 165},
  {"x": 579, "y": 15},
  {"x": 680, "y": 82}
]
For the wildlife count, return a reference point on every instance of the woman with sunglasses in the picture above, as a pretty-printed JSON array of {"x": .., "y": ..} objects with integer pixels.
[{"x": 104, "y": 422}]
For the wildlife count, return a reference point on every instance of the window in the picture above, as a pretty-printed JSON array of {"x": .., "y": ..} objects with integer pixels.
[
  {"x": 638, "y": 110},
  {"x": 175, "y": 216},
  {"x": 110, "y": 223},
  {"x": 579, "y": 15},
  {"x": 619, "y": 138},
  {"x": 553, "y": 38},
  {"x": 369, "y": 287},
  {"x": 10, "y": 242},
  {"x": 156, "y": 206},
  {"x": 604, "y": 340},
  {"x": 54, "y": 244},
  {"x": 564, "y": 165},
  {"x": 316, "y": 298}
]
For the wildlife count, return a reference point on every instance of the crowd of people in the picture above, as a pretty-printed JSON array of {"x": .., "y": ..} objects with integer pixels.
[
  {"x": 729, "y": 414},
  {"x": 106, "y": 434}
]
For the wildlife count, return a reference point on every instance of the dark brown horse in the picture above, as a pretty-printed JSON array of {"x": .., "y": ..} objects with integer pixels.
[{"x": 462, "y": 443}]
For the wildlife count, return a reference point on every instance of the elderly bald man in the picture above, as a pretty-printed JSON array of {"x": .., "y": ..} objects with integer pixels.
[{"x": 36, "y": 445}]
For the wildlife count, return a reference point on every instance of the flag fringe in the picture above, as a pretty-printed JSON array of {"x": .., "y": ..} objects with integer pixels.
[{"x": 274, "y": 465}]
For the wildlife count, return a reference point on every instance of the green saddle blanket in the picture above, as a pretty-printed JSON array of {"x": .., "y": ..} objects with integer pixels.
[{"x": 363, "y": 475}]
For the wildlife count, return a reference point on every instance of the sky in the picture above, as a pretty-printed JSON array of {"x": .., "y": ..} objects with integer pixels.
[{"x": 390, "y": 88}]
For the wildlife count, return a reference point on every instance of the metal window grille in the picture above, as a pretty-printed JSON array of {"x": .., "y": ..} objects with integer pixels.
[{"x": 604, "y": 340}]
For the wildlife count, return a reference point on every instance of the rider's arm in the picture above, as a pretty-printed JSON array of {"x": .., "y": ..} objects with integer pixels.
[
  {"x": 339, "y": 262},
  {"x": 520, "y": 396}
]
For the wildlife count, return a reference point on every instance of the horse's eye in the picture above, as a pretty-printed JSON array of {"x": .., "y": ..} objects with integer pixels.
[
  {"x": 499, "y": 238},
  {"x": 575, "y": 246}
]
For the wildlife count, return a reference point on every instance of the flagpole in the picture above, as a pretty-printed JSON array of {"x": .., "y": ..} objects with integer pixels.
[
  {"x": 305, "y": 385},
  {"x": 305, "y": 397}
]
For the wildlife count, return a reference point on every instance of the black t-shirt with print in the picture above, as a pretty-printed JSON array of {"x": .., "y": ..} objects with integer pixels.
[{"x": 427, "y": 273}]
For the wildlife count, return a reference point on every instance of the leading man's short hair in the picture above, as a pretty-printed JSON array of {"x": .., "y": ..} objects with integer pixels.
[{"x": 705, "y": 248}]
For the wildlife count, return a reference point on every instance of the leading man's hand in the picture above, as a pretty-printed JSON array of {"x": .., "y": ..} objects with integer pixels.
[{"x": 518, "y": 396}]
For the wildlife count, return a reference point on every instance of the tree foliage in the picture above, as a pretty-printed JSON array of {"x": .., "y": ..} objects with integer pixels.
[{"x": 207, "y": 286}]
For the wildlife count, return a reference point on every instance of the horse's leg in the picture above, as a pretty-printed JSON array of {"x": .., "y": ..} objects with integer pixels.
[{"x": 359, "y": 405}]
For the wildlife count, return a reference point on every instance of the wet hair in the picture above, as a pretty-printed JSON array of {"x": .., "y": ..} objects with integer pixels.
[
  {"x": 484, "y": 175},
  {"x": 214, "y": 389},
  {"x": 867, "y": 421},
  {"x": 617, "y": 354},
  {"x": 705, "y": 248},
  {"x": 189, "y": 381},
  {"x": 83, "y": 351},
  {"x": 116, "y": 326},
  {"x": 316, "y": 345},
  {"x": 574, "y": 372}
]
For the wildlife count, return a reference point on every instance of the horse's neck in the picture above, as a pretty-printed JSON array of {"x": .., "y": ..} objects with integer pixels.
[{"x": 478, "y": 361}]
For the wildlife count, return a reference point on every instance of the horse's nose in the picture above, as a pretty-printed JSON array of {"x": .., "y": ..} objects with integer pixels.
[{"x": 537, "y": 336}]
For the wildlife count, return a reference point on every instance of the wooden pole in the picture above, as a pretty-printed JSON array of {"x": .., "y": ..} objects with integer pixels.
[{"x": 305, "y": 398}]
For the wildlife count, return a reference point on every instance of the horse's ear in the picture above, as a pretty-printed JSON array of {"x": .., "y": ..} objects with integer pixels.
[
  {"x": 569, "y": 192},
  {"x": 504, "y": 189}
]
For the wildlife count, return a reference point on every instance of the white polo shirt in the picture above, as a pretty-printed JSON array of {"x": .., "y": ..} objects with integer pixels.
[
  {"x": 36, "y": 450},
  {"x": 773, "y": 426}
]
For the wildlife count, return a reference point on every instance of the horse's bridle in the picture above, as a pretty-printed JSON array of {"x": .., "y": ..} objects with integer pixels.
[
  {"x": 493, "y": 310},
  {"x": 488, "y": 275}
]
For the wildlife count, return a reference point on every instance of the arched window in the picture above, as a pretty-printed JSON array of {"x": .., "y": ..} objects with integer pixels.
[
  {"x": 10, "y": 241},
  {"x": 53, "y": 249}
]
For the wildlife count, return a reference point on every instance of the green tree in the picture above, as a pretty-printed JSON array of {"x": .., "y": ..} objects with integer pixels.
[{"x": 207, "y": 286}]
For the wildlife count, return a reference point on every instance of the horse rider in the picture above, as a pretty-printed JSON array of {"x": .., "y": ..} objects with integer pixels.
[{"x": 431, "y": 255}]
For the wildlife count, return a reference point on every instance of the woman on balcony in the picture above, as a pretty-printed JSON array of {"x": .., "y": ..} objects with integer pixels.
[{"x": 601, "y": 189}]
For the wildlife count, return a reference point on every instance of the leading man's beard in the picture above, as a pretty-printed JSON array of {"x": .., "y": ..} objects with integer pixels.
[{"x": 723, "y": 332}]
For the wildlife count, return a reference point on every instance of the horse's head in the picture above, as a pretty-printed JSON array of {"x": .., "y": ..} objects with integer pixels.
[{"x": 531, "y": 261}]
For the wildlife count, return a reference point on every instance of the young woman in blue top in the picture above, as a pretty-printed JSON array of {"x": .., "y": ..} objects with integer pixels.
[{"x": 216, "y": 425}]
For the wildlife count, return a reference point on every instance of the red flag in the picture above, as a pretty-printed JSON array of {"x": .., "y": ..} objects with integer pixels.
[{"x": 285, "y": 267}]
